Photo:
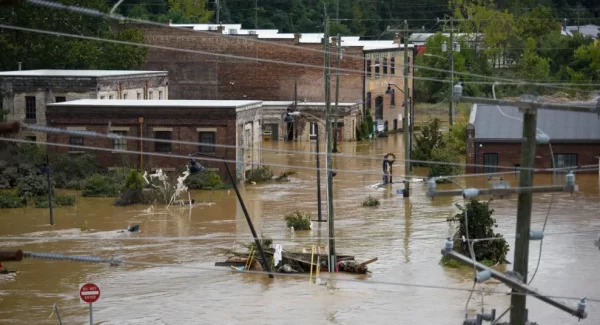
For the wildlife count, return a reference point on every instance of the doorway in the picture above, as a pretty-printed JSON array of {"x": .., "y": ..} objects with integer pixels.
[{"x": 379, "y": 108}]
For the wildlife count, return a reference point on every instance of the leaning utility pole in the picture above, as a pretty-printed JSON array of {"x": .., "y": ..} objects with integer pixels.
[
  {"x": 328, "y": 163},
  {"x": 405, "y": 120},
  {"x": 451, "y": 49},
  {"x": 337, "y": 94}
]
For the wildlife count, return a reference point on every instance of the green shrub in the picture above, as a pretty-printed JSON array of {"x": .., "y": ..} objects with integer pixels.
[
  {"x": 425, "y": 143},
  {"x": 481, "y": 225},
  {"x": 69, "y": 171},
  {"x": 100, "y": 186},
  {"x": 265, "y": 242},
  {"x": 450, "y": 262},
  {"x": 10, "y": 200},
  {"x": 58, "y": 201},
  {"x": 208, "y": 180},
  {"x": 370, "y": 202},
  {"x": 137, "y": 196},
  {"x": 298, "y": 220},
  {"x": 32, "y": 186},
  {"x": 447, "y": 156},
  {"x": 134, "y": 181},
  {"x": 261, "y": 174}
]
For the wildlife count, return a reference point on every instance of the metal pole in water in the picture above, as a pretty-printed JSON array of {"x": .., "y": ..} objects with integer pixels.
[{"x": 91, "y": 315}]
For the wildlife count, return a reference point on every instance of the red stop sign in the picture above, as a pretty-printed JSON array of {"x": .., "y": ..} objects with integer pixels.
[{"x": 89, "y": 293}]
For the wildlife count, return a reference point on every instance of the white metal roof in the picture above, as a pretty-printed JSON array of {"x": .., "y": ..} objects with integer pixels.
[
  {"x": 277, "y": 103},
  {"x": 158, "y": 103},
  {"x": 323, "y": 104},
  {"x": 76, "y": 73}
]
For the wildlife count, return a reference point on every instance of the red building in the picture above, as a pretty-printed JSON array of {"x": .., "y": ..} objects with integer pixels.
[
  {"x": 494, "y": 137},
  {"x": 228, "y": 122}
]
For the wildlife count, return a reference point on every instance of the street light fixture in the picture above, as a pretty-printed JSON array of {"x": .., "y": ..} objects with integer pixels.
[{"x": 46, "y": 170}]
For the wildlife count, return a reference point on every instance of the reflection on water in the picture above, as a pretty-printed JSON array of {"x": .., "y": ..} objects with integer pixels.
[{"x": 405, "y": 234}]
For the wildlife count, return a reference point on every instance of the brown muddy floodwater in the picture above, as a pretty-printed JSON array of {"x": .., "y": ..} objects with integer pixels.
[{"x": 406, "y": 236}]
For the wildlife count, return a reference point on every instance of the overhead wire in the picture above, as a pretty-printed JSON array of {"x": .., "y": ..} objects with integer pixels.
[{"x": 97, "y": 13}]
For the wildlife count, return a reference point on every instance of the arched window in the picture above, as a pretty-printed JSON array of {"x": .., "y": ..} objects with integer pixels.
[
  {"x": 393, "y": 65},
  {"x": 385, "y": 67},
  {"x": 377, "y": 64}
]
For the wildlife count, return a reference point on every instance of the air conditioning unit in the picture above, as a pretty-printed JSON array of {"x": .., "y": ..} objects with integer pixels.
[
  {"x": 252, "y": 32},
  {"x": 233, "y": 31}
]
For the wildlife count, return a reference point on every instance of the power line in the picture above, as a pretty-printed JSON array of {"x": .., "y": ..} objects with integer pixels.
[{"x": 117, "y": 261}]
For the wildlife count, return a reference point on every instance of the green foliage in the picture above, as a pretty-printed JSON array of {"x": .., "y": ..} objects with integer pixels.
[
  {"x": 188, "y": 11},
  {"x": 208, "y": 180},
  {"x": 261, "y": 174},
  {"x": 370, "y": 202},
  {"x": 69, "y": 171},
  {"x": 444, "y": 155},
  {"x": 481, "y": 225},
  {"x": 58, "y": 201},
  {"x": 264, "y": 242},
  {"x": 50, "y": 52},
  {"x": 367, "y": 125},
  {"x": 456, "y": 138},
  {"x": 298, "y": 220},
  {"x": 101, "y": 186},
  {"x": 134, "y": 181},
  {"x": 18, "y": 161},
  {"x": 33, "y": 185},
  {"x": 429, "y": 139},
  {"x": 10, "y": 200}
]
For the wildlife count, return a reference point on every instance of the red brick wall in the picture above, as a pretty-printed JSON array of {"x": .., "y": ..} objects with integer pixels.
[
  {"x": 509, "y": 154},
  {"x": 198, "y": 76},
  {"x": 183, "y": 121}
]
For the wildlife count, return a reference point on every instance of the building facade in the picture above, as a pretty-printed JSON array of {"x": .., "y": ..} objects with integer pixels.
[
  {"x": 234, "y": 124},
  {"x": 306, "y": 128},
  {"x": 384, "y": 84},
  {"x": 25, "y": 94},
  {"x": 494, "y": 136}
]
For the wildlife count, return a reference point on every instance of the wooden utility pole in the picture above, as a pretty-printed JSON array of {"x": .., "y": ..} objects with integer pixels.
[
  {"x": 518, "y": 314},
  {"x": 218, "y": 11},
  {"x": 328, "y": 163},
  {"x": 405, "y": 120},
  {"x": 256, "y": 14},
  {"x": 451, "y": 49},
  {"x": 337, "y": 94}
]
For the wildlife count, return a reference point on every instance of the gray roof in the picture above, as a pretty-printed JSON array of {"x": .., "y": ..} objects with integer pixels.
[
  {"x": 158, "y": 103},
  {"x": 586, "y": 30},
  {"x": 77, "y": 73},
  {"x": 490, "y": 123}
]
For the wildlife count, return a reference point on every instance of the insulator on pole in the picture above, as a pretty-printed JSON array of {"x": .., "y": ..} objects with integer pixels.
[
  {"x": 483, "y": 276},
  {"x": 536, "y": 235},
  {"x": 470, "y": 193},
  {"x": 449, "y": 245}
]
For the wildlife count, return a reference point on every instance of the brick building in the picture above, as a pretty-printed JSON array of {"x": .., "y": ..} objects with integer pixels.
[
  {"x": 232, "y": 123},
  {"x": 494, "y": 138},
  {"x": 384, "y": 83},
  {"x": 349, "y": 116},
  {"x": 24, "y": 94}
]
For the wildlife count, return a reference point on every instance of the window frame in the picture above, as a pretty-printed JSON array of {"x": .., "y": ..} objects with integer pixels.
[
  {"x": 60, "y": 99},
  {"x": 120, "y": 143},
  {"x": 74, "y": 141},
  {"x": 488, "y": 167},
  {"x": 566, "y": 158},
  {"x": 164, "y": 147},
  {"x": 30, "y": 110},
  {"x": 204, "y": 148}
]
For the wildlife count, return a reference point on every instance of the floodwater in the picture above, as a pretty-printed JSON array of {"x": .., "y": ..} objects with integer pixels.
[{"x": 405, "y": 234}]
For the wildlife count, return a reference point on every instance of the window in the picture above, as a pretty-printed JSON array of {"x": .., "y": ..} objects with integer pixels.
[
  {"x": 160, "y": 94},
  {"x": 563, "y": 160},
  {"x": 120, "y": 144},
  {"x": 102, "y": 97},
  {"x": 393, "y": 66},
  {"x": 206, "y": 138},
  {"x": 392, "y": 97},
  {"x": 76, "y": 141},
  {"x": 110, "y": 97},
  {"x": 369, "y": 75},
  {"x": 139, "y": 96},
  {"x": 490, "y": 162},
  {"x": 125, "y": 96},
  {"x": 32, "y": 138},
  {"x": 60, "y": 99},
  {"x": 395, "y": 124},
  {"x": 162, "y": 146},
  {"x": 313, "y": 129},
  {"x": 30, "y": 112},
  {"x": 377, "y": 68},
  {"x": 385, "y": 70},
  {"x": 150, "y": 95}
]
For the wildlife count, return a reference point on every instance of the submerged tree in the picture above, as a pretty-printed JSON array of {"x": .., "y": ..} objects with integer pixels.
[
  {"x": 481, "y": 225},
  {"x": 430, "y": 138}
]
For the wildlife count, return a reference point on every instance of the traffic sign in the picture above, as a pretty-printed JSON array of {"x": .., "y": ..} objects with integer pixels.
[{"x": 89, "y": 293}]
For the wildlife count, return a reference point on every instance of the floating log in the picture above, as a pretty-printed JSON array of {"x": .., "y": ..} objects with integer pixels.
[{"x": 374, "y": 259}]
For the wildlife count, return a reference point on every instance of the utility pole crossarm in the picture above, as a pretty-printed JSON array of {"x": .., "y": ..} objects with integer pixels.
[
  {"x": 504, "y": 191},
  {"x": 515, "y": 284}
]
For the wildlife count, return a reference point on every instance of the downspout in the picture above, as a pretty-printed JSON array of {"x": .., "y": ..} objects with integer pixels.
[{"x": 141, "y": 122}]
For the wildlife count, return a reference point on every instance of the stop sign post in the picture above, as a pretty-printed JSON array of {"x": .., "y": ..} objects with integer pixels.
[{"x": 89, "y": 293}]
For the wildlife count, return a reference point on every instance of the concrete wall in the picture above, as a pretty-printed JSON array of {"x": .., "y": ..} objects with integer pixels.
[
  {"x": 14, "y": 90},
  {"x": 248, "y": 140},
  {"x": 183, "y": 123},
  {"x": 202, "y": 76}
]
